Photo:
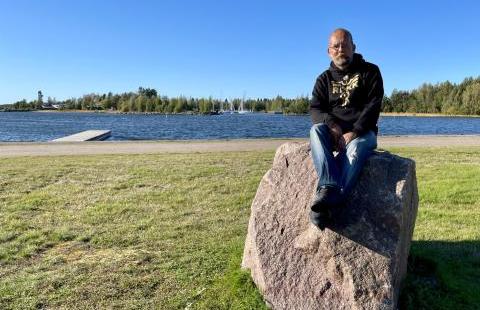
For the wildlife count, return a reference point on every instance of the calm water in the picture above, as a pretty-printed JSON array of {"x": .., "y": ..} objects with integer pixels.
[{"x": 34, "y": 126}]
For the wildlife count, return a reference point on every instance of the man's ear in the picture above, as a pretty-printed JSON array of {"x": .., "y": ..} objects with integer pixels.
[{"x": 354, "y": 47}]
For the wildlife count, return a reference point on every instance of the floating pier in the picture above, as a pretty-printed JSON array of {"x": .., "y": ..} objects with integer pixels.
[{"x": 88, "y": 135}]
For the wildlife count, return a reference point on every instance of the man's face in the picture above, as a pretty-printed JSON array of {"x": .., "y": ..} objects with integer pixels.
[{"x": 340, "y": 49}]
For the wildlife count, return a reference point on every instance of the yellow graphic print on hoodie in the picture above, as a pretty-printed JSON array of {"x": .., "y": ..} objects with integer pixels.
[{"x": 345, "y": 88}]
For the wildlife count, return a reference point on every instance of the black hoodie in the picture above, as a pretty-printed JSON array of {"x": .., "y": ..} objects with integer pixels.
[{"x": 351, "y": 99}]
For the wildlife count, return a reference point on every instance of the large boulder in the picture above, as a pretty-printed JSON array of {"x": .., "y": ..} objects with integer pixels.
[{"x": 357, "y": 262}]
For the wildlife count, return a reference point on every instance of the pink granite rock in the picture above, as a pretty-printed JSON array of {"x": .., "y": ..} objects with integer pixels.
[{"x": 358, "y": 262}]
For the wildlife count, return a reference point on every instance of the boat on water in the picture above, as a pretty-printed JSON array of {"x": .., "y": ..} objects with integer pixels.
[
  {"x": 215, "y": 111},
  {"x": 245, "y": 112},
  {"x": 241, "y": 109}
]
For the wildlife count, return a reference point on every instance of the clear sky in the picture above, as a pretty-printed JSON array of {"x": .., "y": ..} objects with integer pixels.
[{"x": 225, "y": 48}]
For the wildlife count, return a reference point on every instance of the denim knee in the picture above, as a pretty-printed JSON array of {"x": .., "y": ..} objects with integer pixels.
[
  {"x": 319, "y": 129},
  {"x": 363, "y": 144},
  {"x": 368, "y": 140}
]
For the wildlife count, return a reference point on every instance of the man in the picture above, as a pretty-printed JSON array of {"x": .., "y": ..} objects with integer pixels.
[{"x": 345, "y": 108}]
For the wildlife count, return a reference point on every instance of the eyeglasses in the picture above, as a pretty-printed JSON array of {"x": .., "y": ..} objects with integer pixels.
[{"x": 344, "y": 46}]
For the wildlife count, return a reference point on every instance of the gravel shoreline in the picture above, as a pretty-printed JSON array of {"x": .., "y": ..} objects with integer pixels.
[{"x": 12, "y": 149}]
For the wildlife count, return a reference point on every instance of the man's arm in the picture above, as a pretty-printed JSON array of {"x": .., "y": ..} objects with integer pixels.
[
  {"x": 320, "y": 109},
  {"x": 371, "y": 111},
  {"x": 320, "y": 106}
]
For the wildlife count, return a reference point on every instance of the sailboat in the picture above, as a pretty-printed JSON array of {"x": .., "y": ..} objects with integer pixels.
[
  {"x": 230, "y": 110},
  {"x": 213, "y": 111},
  {"x": 241, "y": 110}
]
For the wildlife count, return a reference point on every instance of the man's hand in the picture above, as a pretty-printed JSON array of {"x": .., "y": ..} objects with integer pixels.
[
  {"x": 348, "y": 137},
  {"x": 338, "y": 143}
]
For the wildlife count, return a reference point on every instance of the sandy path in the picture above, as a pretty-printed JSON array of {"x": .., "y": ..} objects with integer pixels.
[{"x": 9, "y": 149}]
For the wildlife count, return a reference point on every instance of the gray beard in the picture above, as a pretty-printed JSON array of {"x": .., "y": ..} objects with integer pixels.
[{"x": 342, "y": 63}]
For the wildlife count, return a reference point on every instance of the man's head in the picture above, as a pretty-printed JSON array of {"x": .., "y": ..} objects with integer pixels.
[{"x": 341, "y": 48}]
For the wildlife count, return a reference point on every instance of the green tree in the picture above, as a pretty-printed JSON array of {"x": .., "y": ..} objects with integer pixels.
[
  {"x": 39, "y": 102},
  {"x": 147, "y": 92},
  {"x": 471, "y": 99}
]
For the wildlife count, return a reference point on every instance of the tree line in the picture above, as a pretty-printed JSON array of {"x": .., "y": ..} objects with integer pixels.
[
  {"x": 148, "y": 100},
  {"x": 444, "y": 98}
]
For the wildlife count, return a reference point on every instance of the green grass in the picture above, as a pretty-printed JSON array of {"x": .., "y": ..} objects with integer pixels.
[
  {"x": 444, "y": 264},
  {"x": 167, "y": 231}
]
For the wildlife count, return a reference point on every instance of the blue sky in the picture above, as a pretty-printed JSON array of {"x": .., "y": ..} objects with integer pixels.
[{"x": 225, "y": 48}]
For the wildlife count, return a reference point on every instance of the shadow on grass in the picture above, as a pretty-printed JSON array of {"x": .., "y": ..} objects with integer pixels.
[{"x": 442, "y": 275}]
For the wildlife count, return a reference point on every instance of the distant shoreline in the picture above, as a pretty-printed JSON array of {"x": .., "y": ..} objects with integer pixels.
[
  {"x": 409, "y": 114},
  {"x": 426, "y": 114}
]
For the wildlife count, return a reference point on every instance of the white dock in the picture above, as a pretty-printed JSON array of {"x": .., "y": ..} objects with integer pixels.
[{"x": 88, "y": 135}]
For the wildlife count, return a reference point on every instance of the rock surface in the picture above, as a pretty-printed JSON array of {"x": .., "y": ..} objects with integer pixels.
[{"x": 358, "y": 262}]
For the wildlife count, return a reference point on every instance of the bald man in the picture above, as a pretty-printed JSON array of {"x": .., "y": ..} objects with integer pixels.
[{"x": 345, "y": 108}]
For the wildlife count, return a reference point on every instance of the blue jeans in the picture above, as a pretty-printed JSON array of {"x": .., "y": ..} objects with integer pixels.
[{"x": 341, "y": 170}]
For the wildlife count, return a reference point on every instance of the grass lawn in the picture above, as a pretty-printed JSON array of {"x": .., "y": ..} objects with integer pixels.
[{"x": 167, "y": 231}]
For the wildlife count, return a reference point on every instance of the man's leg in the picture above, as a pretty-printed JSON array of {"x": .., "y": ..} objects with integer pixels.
[
  {"x": 321, "y": 146},
  {"x": 357, "y": 152},
  {"x": 328, "y": 190}
]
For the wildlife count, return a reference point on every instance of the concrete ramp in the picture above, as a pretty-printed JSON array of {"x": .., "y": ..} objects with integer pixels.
[{"x": 88, "y": 135}]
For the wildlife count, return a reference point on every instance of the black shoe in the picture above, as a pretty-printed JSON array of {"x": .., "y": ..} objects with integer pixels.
[
  {"x": 321, "y": 218},
  {"x": 327, "y": 197}
]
